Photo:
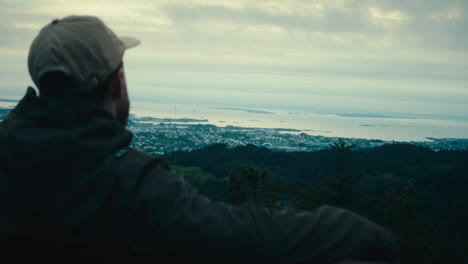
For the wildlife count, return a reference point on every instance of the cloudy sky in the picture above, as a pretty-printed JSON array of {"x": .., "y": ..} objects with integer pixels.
[{"x": 362, "y": 56}]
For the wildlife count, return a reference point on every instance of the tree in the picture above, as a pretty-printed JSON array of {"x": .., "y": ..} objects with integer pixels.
[
  {"x": 401, "y": 217},
  {"x": 206, "y": 183},
  {"x": 333, "y": 190},
  {"x": 253, "y": 186}
]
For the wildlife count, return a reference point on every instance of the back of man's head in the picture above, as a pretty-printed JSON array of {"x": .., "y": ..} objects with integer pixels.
[{"x": 75, "y": 57}]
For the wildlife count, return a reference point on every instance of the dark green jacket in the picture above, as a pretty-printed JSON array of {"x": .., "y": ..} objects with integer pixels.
[{"x": 66, "y": 167}]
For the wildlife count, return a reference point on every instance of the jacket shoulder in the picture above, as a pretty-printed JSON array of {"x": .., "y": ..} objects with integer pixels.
[
  {"x": 130, "y": 168},
  {"x": 131, "y": 165}
]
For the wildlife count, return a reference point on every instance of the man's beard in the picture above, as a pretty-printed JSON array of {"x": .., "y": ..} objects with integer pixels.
[{"x": 123, "y": 111}]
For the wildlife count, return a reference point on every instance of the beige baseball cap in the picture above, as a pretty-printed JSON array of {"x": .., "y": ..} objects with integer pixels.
[{"x": 82, "y": 47}]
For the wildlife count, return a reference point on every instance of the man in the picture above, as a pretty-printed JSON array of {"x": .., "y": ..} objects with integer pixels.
[{"x": 66, "y": 168}]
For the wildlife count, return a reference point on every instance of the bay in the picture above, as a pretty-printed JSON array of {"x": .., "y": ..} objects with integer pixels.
[{"x": 352, "y": 125}]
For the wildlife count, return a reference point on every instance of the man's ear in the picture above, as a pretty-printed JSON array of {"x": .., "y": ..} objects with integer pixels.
[{"x": 116, "y": 87}]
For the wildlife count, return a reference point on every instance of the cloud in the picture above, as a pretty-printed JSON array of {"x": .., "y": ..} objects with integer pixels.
[
  {"x": 412, "y": 22},
  {"x": 314, "y": 18},
  {"x": 428, "y": 24}
]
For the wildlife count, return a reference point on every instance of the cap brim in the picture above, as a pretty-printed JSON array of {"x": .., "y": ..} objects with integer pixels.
[{"x": 129, "y": 42}]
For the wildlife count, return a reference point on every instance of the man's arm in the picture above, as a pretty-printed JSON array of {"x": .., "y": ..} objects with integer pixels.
[{"x": 171, "y": 215}]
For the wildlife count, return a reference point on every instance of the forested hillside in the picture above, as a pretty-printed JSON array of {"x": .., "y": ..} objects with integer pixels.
[{"x": 418, "y": 194}]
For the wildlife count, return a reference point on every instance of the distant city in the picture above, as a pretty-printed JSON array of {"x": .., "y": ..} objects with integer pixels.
[{"x": 159, "y": 138}]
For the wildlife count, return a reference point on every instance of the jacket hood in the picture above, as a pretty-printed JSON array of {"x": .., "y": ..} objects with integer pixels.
[
  {"x": 52, "y": 148},
  {"x": 67, "y": 135}
]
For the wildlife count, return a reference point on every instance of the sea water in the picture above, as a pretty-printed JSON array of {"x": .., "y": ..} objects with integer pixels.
[{"x": 397, "y": 128}]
